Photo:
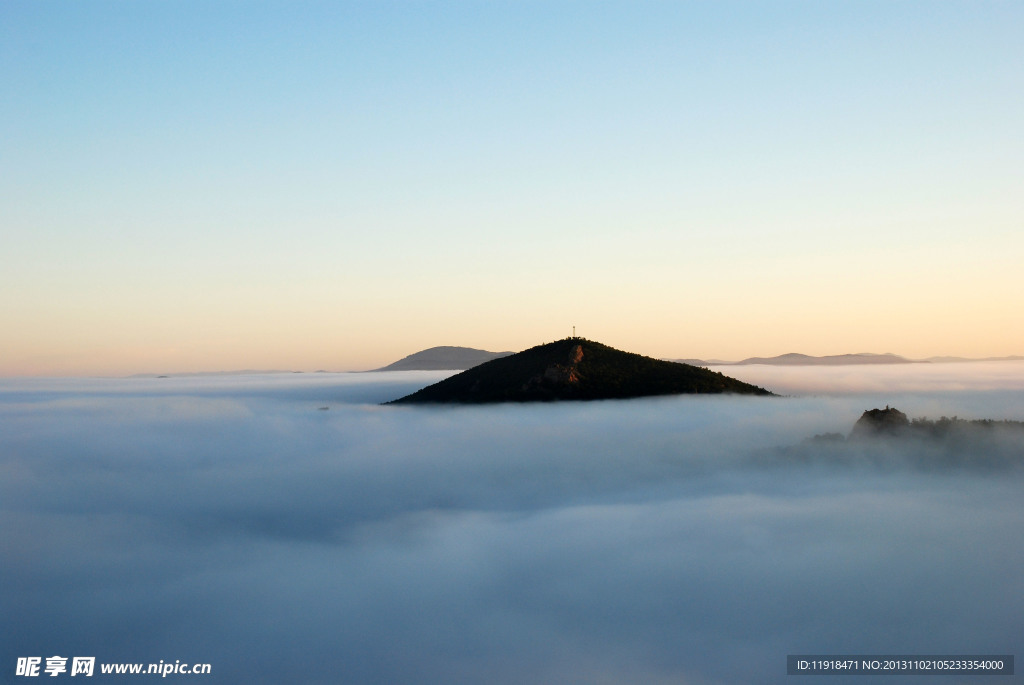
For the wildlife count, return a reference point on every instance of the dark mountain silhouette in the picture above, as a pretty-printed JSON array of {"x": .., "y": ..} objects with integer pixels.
[
  {"x": 444, "y": 357},
  {"x": 575, "y": 369},
  {"x": 888, "y": 421}
]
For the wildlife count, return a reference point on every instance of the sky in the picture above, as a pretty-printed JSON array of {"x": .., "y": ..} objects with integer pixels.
[
  {"x": 694, "y": 540},
  {"x": 201, "y": 186}
]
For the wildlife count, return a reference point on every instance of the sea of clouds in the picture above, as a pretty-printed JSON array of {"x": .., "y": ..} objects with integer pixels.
[{"x": 286, "y": 528}]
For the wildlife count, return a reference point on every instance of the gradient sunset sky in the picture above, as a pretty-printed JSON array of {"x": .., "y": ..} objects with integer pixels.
[{"x": 198, "y": 186}]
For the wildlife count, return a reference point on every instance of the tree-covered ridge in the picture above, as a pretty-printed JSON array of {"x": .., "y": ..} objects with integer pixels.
[
  {"x": 576, "y": 369},
  {"x": 892, "y": 422},
  {"x": 887, "y": 438}
]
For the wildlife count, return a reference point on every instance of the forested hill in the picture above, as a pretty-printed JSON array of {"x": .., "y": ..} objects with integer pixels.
[{"x": 575, "y": 369}]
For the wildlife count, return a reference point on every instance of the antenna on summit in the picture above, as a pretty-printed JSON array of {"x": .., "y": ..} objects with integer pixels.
[{"x": 574, "y": 332}]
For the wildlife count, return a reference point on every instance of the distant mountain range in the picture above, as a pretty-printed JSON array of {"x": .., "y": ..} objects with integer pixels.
[
  {"x": 946, "y": 360},
  {"x": 796, "y": 359},
  {"x": 575, "y": 369},
  {"x": 460, "y": 358},
  {"x": 444, "y": 357}
]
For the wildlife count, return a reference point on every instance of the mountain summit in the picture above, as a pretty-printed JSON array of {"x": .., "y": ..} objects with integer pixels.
[{"x": 575, "y": 369}]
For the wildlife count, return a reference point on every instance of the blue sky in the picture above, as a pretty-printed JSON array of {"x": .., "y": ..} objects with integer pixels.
[{"x": 198, "y": 185}]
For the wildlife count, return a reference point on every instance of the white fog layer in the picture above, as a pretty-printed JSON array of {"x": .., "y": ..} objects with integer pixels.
[{"x": 289, "y": 529}]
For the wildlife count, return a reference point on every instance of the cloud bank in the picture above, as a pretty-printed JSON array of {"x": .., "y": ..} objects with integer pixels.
[
  {"x": 883, "y": 378},
  {"x": 232, "y": 521}
]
